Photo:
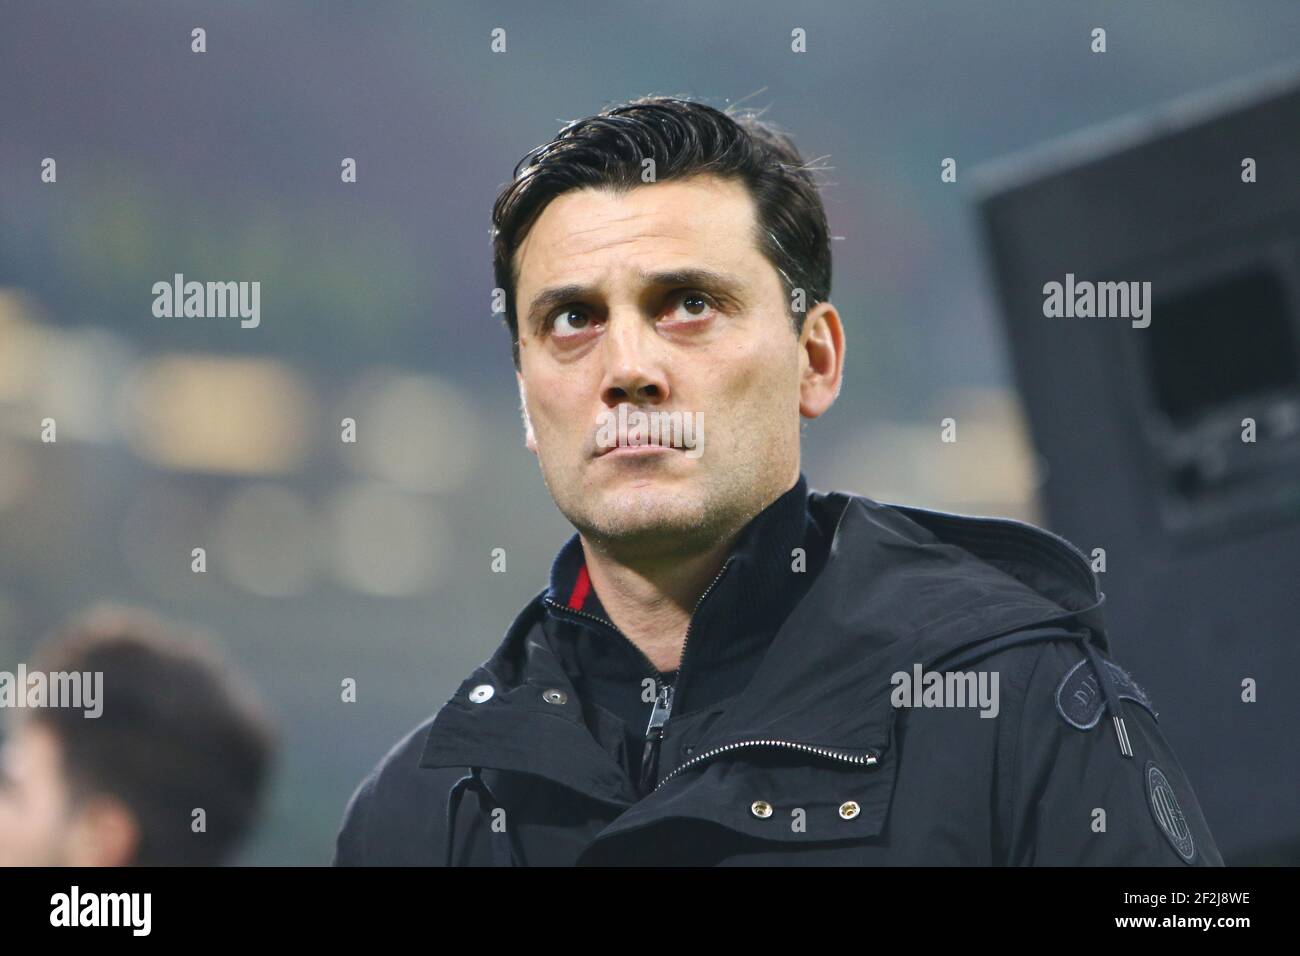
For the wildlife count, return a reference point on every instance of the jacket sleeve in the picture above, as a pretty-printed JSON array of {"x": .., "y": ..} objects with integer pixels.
[
  {"x": 348, "y": 847},
  {"x": 397, "y": 816},
  {"x": 1076, "y": 800}
]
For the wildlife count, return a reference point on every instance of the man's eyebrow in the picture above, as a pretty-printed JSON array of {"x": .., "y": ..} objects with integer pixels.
[{"x": 706, "y": 279}]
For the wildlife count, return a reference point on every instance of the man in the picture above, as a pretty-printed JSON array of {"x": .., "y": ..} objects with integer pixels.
[
  {"x": 719, "y": 670},
  {"x": 166, "y": 769}
]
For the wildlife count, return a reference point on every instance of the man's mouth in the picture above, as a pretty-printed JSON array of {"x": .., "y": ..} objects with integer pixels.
[
  {"x": 647, "y": 448},
  {"x": 638, "y": 433}
]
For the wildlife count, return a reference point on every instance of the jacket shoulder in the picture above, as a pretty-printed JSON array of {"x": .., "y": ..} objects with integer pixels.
[
  {"x": 1089, "y": 790},
  {"x": 1063, "y": 691},
  {"x": 396, "y": 815}
]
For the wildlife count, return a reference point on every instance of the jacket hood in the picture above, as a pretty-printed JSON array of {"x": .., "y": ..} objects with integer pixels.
[{"x": 901, "y": 586}]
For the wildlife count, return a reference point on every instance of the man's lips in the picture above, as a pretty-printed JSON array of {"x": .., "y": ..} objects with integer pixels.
[
  {"x": 619, "y": 451},
  {"x": 634, "y": 432}
]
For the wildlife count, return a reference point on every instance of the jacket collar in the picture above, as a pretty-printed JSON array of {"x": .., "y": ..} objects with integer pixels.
[{"x": 900, "y": 586}]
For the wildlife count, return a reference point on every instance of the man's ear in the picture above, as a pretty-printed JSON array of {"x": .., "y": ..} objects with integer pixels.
[
  {"x": 821, "y": 360},
  {"x": 105, "y": 833},
  {"x": 530, "y": 439}
]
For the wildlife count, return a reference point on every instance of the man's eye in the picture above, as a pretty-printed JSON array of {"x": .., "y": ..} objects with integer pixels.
[
  {"x": 569, "y": 322},
  {"x": 691, "y": 305}
]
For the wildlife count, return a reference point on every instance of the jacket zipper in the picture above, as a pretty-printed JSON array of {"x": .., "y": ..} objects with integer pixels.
[
  {"x": 690, "y": 625},
  {"x": 654, "y": 732},
  {"x": 663, "y": 708},
  {"x": 663, "y": 705},
  {"x": 867, "y": 759}
]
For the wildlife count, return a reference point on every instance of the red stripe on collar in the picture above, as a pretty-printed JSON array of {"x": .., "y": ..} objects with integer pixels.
[{"x": 581, "y": 588}]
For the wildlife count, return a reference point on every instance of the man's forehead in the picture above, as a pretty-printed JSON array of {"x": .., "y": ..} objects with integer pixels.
[{"x": 704, "y": 221}]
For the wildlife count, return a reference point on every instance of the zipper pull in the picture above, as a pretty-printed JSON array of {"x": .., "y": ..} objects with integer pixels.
[{"x": 654, "y": 732}]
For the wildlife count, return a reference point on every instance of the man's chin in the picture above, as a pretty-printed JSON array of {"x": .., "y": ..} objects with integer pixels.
[
  {"x": 642, "y": 508},
  {"x": 637, "y": 478}
]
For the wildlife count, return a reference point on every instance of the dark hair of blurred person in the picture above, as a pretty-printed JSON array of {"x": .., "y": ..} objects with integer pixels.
[{"x": 178, "y": 732}]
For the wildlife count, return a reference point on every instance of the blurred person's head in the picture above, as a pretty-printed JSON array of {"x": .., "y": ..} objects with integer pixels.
[
  {"x": 177, "y": 733},
  {"x": 703, "y": 292}
]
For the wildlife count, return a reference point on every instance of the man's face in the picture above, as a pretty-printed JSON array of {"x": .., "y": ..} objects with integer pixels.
[
  {"x": 671, "y": 308},
  {"x": 41, "y": 823},
  {"x": 35, "y": 803}
]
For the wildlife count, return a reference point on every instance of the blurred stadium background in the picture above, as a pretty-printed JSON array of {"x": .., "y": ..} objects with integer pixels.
[{"x": 371, "y": 560}]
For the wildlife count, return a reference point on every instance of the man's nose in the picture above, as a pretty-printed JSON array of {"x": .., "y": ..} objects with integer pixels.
[{"x": 634, "y": 368}]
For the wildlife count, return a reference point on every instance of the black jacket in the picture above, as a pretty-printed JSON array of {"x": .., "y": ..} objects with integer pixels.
[{"x": 825, "y": 757}]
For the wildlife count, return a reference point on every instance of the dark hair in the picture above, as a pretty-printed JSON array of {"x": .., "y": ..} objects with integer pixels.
[
  {"x": 683, "y": 138},
  {"x": 177, "y": 732}
]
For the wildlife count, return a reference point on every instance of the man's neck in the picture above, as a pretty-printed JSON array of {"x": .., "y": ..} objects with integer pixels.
[{"x": 652, "y": 602}]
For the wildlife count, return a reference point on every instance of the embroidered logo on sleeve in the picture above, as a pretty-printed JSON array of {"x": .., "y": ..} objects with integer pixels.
[
  {"x": 1168, "y": 814},
  {"x": 1079, "y": 698}
]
